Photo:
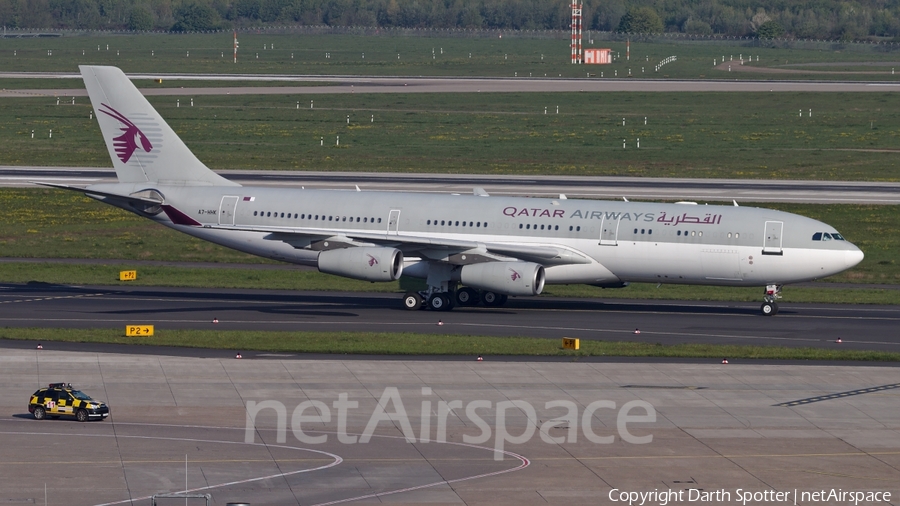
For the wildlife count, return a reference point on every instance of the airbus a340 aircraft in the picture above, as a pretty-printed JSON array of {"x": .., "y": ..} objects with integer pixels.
[{"x": 468, "y": 248}]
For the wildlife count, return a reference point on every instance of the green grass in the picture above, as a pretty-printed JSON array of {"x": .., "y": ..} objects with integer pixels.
[
  {"x": 731, "y": 135},
  {"x": 380, "y": 343},
  {"x": 514, "y": 54}
]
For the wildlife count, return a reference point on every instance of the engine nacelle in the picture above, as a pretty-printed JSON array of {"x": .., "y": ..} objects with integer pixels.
[
  {"x": 508, "y": 278},
  {"x": 369, "y": 264}
]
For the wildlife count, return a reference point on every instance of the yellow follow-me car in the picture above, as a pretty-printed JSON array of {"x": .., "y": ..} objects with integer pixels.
[{"x": 60, "y": 399}]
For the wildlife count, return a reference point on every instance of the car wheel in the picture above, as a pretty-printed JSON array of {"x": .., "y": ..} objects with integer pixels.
[
  {"x": 39, "y": 413},
  {"x": 81, "y": 415}
]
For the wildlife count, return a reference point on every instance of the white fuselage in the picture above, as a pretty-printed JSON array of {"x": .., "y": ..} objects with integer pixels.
[{"x": 618, "y": 241}]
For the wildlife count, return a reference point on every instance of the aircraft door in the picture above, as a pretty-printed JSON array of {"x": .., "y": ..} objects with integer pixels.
[
  {"x": 393, "y": 221},
  {"x": 226, "y": 210},
  {"x": 609, "y": 231},
  {"x": 772, "y": 244}
]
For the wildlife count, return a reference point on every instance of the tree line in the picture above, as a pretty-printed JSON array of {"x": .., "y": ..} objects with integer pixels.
[{"x": 802, "y": 19}]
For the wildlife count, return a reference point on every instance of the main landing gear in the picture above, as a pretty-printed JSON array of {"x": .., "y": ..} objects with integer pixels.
[
  {"x": 445, "y": 301},
  {"x": 770, "y": 306}
]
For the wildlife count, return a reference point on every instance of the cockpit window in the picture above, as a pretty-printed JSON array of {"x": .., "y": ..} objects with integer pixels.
[{"x": 825, "y": 236}]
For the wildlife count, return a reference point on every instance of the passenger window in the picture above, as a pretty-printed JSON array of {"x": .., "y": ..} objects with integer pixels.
[
  {"x": 679, "y": 232},
  {"x": 736, "y": 235},
  {"x": 254, "y": 213},
  {"x": 556, "y": 227},
  {"x": 520, "y": 226},
  {"x": 471, "y": 223},
  {"x": 282, "y": 215},
  {"x": 379, "y": 220},
  {"x": 692, "y": 233},
  {"x": 729, "y": 235},
  {"x": 528, "y": 226},
  {"x": 700, "y": 234},
  {"x": 635, "y": 231},
  {"x": 650, "y": 231},
  {"x": 477, "y": 225},
  {"x": 442, "y": 222},
  {"x": 643, "y": 231},
  {"x": 578, "y": 228}
]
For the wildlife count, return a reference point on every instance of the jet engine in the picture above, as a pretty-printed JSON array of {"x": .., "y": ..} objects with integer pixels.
[
  {"x": 509, "y": 278},
  {"x": 370, "y": 264}
]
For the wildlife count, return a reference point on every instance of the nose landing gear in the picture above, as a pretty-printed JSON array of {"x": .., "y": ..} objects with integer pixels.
[{"x": 770, "y": 306}]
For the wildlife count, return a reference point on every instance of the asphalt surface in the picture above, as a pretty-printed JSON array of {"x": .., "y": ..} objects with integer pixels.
[
  {"x": 705, "y": 190},
  {"x": 668, "y": 322},
  {"x": 520, "y": 84},
  {"x": 416, "y": 432}
]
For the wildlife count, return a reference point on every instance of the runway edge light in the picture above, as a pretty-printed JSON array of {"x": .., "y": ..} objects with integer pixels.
[
  {"x": 127, "y": 275},
  {"x": 138, "y": 330},
  {"x": 569, "y": 343}
]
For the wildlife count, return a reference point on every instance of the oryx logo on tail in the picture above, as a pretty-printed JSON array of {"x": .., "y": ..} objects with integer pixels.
[{"x": 126, "y": 144}]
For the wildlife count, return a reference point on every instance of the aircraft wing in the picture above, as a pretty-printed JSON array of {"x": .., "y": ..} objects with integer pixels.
[{"x": 457, "y": 252}]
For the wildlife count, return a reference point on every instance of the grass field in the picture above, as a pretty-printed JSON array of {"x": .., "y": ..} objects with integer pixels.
[
  {"x": 379, "y": 343},
  {"x": 509, "y": 56},
  {"x": 756, "y": 135}
]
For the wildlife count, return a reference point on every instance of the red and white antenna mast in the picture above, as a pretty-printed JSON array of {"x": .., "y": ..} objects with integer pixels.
[
  {"x": 576, "y": 33},
  {"x": 235, "y": 46}
]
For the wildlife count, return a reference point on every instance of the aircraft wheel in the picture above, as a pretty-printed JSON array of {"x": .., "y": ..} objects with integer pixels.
[
  {"x": 466, "y": 297},
  {"x": 769, "y": 309},
  {"x": 412, "y": 301},
  {"x": 439, "y": 302},
  {"x": 491, "y": 299}
]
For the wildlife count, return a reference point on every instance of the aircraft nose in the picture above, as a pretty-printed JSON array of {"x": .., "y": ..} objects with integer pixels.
[{"x": 853, "y": 257}]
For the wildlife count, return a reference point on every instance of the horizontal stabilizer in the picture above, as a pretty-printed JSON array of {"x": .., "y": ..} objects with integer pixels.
[{"x": 95, "y": 193}]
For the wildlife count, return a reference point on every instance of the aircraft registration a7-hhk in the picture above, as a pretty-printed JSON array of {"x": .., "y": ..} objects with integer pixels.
[{"x": 469, "y": 249}]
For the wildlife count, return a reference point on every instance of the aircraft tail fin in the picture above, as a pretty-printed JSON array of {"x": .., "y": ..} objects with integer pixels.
[{"x": 143, "y": 148}]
